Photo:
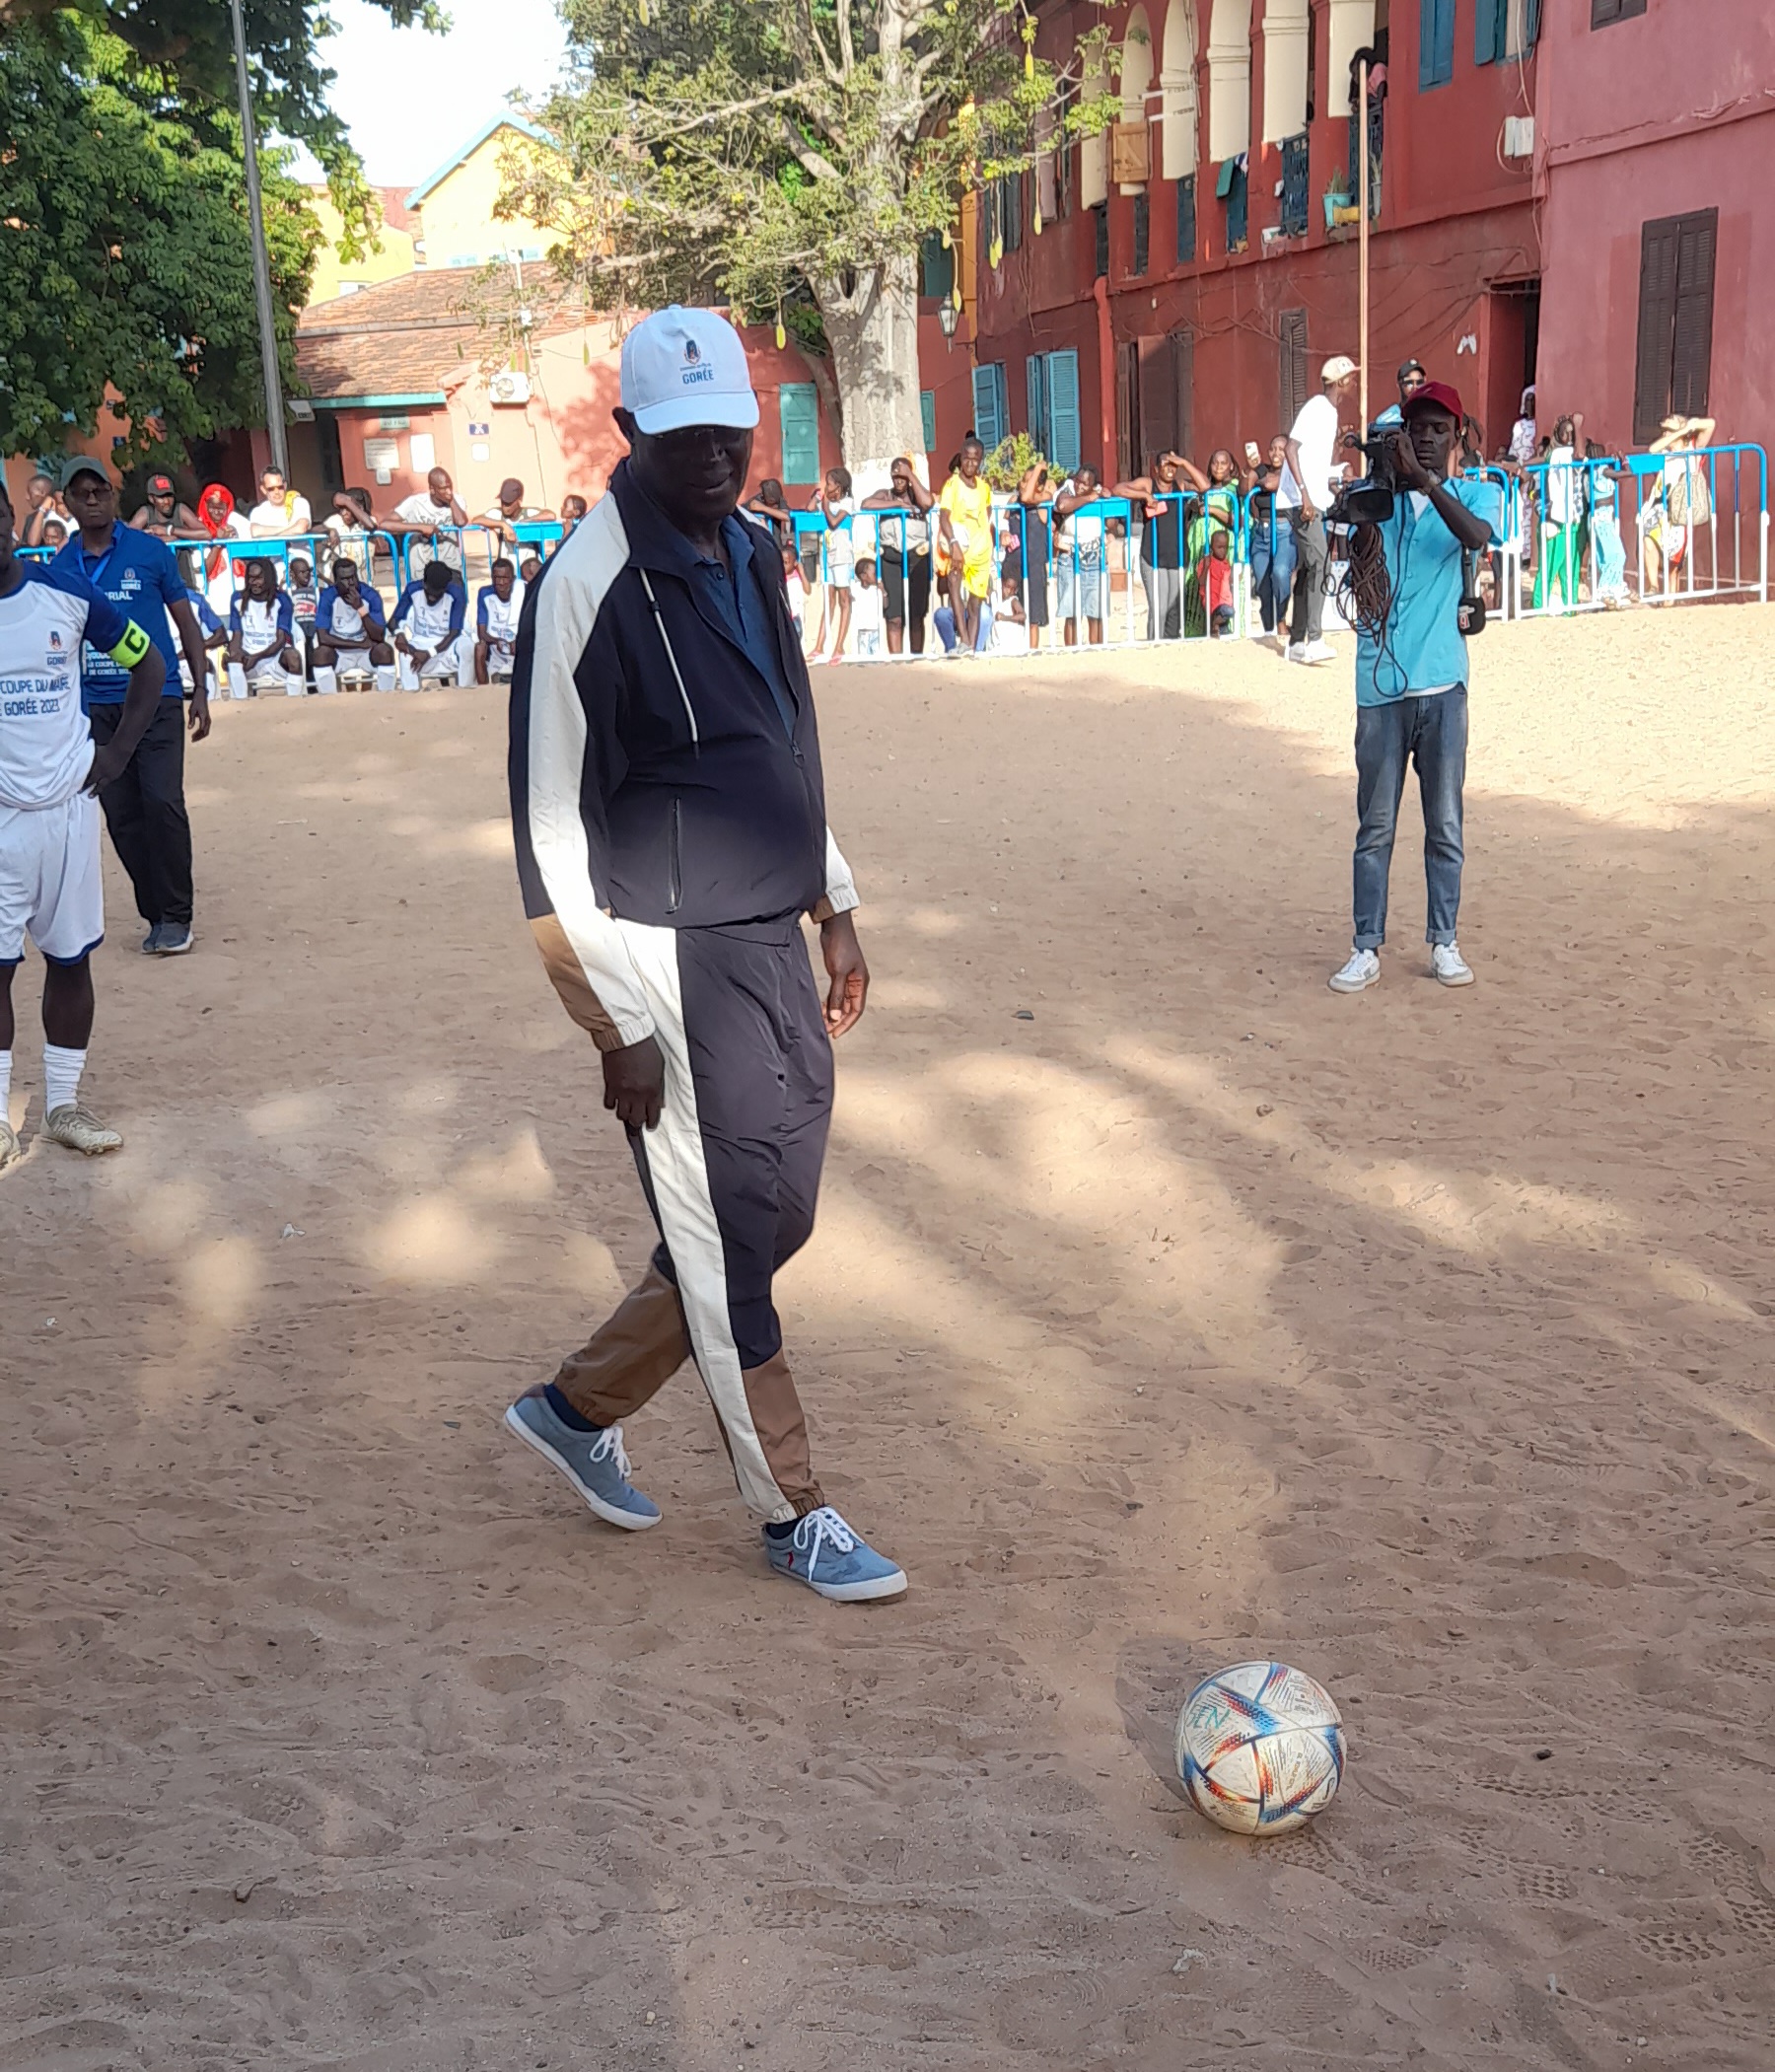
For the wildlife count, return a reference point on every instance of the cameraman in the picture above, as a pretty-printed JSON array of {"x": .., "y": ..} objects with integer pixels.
[{"x": 1406, "y": 581}]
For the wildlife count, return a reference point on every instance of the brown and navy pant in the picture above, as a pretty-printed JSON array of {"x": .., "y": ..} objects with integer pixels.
[{"x": 731, "y": 1175}]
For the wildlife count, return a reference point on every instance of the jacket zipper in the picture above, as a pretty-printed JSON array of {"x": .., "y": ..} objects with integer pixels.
[{"x": 674, "y": 883}]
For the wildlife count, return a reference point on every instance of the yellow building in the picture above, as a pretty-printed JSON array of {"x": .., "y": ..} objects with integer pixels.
[
  {"x": 334, "y": 275},
  {"x": 453, "y": 211}
]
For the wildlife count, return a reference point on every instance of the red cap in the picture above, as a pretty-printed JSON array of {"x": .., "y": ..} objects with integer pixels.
[{"x": 1438, "y": 393}]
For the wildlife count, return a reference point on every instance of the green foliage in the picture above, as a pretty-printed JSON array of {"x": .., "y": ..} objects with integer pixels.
[
  {"x": 1011, "y": 460},
  {"x": 125, "y": 255},
  {"x": 755, "y": 145}
]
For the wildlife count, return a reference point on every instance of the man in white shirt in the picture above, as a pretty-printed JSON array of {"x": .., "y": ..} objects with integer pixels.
[
  {"x": 511, "y": 511},
  {"x": 1304, "y": 494},
  {"x": 281, "y": 510},
  {"x": 425, "y": 514},
  {"x": 496, "y": 612}
]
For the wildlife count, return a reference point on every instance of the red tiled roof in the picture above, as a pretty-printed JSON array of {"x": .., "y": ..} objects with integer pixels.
[{"x": 421, "y": 330}]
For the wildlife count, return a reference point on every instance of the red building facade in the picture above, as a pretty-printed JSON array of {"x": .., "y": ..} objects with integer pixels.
[
  {"x": 1189, "y": 277},
  {"x": 1655, "y": 141}
]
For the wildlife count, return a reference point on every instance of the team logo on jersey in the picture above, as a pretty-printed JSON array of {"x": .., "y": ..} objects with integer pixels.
[{"x": 55, "y": 644}]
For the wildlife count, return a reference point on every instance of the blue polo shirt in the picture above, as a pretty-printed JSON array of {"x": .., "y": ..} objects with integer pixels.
[
  {"x": 736, "y": 597},
  {"x": 1422, "y": 648},
  {"x": 140, "y": 576}
]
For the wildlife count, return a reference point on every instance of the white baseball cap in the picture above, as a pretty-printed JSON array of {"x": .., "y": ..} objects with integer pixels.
[
  {"x": 685, "y": 367},
  {"x": 1338, "y": 368}
]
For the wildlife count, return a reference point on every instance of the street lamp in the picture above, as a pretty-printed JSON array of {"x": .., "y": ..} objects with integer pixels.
[{"x": 946, "y": 317}]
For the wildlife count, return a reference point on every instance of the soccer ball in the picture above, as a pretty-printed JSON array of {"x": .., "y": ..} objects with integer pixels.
[{"x": 1260, "y": 1748}]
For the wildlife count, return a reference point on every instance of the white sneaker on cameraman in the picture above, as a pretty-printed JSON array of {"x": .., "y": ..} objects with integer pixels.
[
  {"x": 1448, "y": 966},
  {"x": 1319, "y": 651},
  {"x": 1362, "y": 971}
]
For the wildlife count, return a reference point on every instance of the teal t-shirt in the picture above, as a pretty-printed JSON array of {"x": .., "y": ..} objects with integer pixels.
[{"x": 1422, "y": 648}]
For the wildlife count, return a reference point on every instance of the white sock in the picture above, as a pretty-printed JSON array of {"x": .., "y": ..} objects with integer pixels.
[
  {"x": 61, "y": 1077},
  {"x": 5, "y": 1083}
]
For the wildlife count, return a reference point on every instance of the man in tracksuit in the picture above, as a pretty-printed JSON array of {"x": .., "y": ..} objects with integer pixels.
[{"x": 670, "y": 831}]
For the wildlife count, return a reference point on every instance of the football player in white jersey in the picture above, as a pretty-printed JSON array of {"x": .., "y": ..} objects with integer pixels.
[
  {"x": 496, "y": 612},
  {"x": 50, "y": 776}
]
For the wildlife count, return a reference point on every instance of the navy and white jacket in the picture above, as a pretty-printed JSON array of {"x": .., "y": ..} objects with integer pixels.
[{"x": 654, "y": 780}]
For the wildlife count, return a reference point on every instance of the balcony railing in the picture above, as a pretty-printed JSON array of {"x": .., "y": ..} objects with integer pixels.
[
  {"x": 1294, "y": 186},
  {"x": 1375, "y": 136}
]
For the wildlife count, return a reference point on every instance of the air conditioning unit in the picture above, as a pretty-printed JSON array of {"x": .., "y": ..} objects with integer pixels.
[
  {"x": 1519, "y": 136},
  {"x": 510, "y": 386}
]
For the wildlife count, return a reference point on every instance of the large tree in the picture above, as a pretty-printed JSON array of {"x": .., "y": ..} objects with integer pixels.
[
  {"x": 780, "y": 150},
  {"x": 125, "y": 250}
]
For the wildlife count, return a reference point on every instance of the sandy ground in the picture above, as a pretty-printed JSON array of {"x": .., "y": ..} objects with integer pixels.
[{"x": 1421, "y": 1340}]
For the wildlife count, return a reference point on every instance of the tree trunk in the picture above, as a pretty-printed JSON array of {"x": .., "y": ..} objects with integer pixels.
[{"x": 874, "y": 333}]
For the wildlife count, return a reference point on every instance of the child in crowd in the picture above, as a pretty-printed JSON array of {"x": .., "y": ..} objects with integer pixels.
[
  {"x": 796, "y": 589},
  {"x": 1217, "y": 584},
  {"x": 530, "y": 567},
  {"x": 833, "y": 498},
  {"x": 55, "y": 534},
  {"x": 865, "y": 611},
  {"x": 573, "y": 509}
]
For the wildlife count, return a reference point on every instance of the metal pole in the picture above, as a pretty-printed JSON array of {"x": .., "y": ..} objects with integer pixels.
[
  {"x": 261, "y": 265},
  {"x": 1362, "y": 235}
]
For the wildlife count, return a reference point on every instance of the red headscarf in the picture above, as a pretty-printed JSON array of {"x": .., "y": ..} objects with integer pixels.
[{"x": 217, "y": 558}]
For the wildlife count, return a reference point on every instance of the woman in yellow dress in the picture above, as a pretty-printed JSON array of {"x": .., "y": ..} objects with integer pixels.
[{"x": 964, "y": 522}]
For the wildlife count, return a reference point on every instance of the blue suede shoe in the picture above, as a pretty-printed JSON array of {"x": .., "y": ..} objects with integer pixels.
[
  {"x": 825, "y": 1555},
  {"x": 593, "y": 1462}
]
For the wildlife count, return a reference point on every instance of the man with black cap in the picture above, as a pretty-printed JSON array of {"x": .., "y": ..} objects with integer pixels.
[
  {"x": 1407, "y": 579},
  {"x": 671, "y": 828},
  {"x": 144, "y": 805},
  {"x": 1411, "y": 379}
]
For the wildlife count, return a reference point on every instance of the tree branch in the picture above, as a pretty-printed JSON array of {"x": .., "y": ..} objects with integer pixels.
[
  {"x": 814, "y": 162},
  {"x": 847, "y": 49},
  {"x": 817, "y": 42}
]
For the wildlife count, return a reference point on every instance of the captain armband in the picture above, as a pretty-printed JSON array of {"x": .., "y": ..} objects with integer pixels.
[{"x": 133, "y": 647}]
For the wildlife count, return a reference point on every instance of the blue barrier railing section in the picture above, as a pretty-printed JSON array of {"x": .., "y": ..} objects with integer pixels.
[
  {"x": 1090, "y": 574},
  {"x": 1590, "y": 535}
]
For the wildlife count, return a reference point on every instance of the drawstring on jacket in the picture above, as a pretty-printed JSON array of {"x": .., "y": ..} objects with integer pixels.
[{"x": 665, "y": 640}]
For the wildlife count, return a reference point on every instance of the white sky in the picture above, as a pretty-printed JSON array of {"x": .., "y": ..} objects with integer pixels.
[{"x": 409, "y": 98}]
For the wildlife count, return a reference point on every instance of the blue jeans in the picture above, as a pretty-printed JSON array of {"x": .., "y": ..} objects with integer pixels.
[
  {"x": 1272, "y": 574},
  {"x": 1432, "y": 734}
]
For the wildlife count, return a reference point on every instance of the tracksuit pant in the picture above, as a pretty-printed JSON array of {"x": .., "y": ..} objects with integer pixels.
[
  {"x": 731, "y": 1175},
  {"x": 145, "y": 811}
]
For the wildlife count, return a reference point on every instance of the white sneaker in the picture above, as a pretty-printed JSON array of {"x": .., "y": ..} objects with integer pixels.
[
  {"x": 1448, "y": 964},
  {"x": 1362, "y": 971},
  {"x": 1319, "y": 651},
  {"x": 1296, "y": 651}
]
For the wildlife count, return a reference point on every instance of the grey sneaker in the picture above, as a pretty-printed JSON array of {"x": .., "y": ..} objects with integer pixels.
[
  {"x": 81, "y": 1130},
  {"x": 593, "y": 1462},
  {"x": 175, "y": 939},
  {"x": 9, "y": 1144},
  {"x": 151, "y": 942}
]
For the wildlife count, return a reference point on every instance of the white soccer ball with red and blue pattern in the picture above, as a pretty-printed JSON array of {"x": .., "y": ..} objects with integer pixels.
[{"x": 1260, "y": 1748}]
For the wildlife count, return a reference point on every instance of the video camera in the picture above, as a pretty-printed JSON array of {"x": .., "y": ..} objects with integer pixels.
[{"x": 1369, "y": 501}]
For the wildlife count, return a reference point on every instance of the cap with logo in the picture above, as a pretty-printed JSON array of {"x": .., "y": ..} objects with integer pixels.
[
  {"x": 1338, "y": 368},
  {"x": 1437, "y": 394},
  {"x": 82, "y": 463},
  {"x": 161, "y": 485},
  {"x": 683, "y": 367}
]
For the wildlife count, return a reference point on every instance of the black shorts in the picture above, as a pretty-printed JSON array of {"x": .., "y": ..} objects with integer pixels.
[{"x": 894, "y": 584}]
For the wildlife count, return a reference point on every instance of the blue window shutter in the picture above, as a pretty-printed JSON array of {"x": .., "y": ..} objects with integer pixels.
[
  {"x": 798, "y": 406},
  {"x": 1001, "y": 397},
  {"x": 1436, "y": 42},
  {"x": 927, "y": 416},
  {"x": 1530, "y": 25},
  {"x": 1489, "y": 19},
  {"x": 989, "y": 404},
  {"x": 1036, "y": 376},
  {"x": 1063, "y": 411}
]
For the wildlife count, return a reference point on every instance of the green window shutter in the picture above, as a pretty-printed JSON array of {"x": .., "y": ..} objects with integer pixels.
[
  {"x": 937, "y": 264},
  {"x": 1062, "y": 383},
  {"x": 798, "y": 406},
  {"x": 927, "y": 415}
]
